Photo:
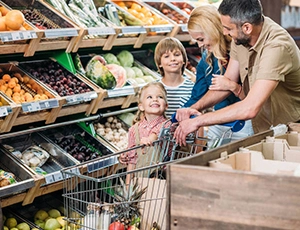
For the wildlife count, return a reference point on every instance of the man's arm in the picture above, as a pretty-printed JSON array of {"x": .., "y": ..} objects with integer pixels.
[{"x": 243, "y": 110}]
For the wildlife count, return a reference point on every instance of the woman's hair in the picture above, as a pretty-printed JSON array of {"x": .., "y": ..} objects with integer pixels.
[
  {"x": 241, "y": 11},
  {"x": 165, "y": 45},
  {"x": 206, "y": 19},
  {"x": 141, "y": 114}
]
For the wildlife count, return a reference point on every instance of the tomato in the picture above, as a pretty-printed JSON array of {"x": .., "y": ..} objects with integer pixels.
[{"x": 116, "y": 226}]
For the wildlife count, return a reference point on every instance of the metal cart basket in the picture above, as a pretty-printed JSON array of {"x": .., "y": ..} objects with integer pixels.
[{"x": 102, "y": 195}]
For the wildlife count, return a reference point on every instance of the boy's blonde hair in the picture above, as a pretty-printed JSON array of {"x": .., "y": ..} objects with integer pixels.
[
  {"x": 207, "y": 19},
  {"x": 140, "y": 114},
  {"x": 165, "y": 45}
]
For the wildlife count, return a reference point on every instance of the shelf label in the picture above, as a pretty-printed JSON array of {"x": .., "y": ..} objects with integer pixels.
[
  {"x": 54, "y": 33},
  {"x": 184, "y": 28},
  {"x": 161, "y": 29},
  {"x": 53, "y": 177},
  {"x": 17, "y": 35},
  {"x": 101, "y": 31},
  {"x": 133, "y": 30},
  {"x": 70, "y": 172},
  {"x": 124, "y": 91},
  {"x": 81, "y": 97},
  {"x": 39, "y": 105},
  {"x": 3, "y": 111},
  {"x": 104, "y": 163}
]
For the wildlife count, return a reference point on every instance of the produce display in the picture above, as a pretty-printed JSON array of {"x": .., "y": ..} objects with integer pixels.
[
  {"x": 184, "y": 6},
  {"x": 56, "y": 77},
  {"x": 11, "y": 20},
  {"x": 11, "y": 221},
  {"x": 20, "y": 87},
  {"x": 114, "y": 131},
  {"x": 143, "y": 15},
  {"x": 170, "y": 12},
  {"x": 38, "y": 20},
  {"x": 6, "y": 178}
]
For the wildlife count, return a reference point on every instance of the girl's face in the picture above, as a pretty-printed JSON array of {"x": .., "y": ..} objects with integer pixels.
[
  {"x": 153, "y": 102},
  {"x": 201, "y": 40},
  {"x": 172, "y": 61}
]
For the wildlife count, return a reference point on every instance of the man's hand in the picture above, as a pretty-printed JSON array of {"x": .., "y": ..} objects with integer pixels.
[
  {"x": 184, "y": 128},
  {"x": 186, "y": 113}
]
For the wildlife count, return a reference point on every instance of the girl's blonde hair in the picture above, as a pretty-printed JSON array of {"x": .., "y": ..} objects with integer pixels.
[
  {"x": 165, "y": 45},
  {"x": 207, "y": 19},
  {"x": 141, "y": 114}
]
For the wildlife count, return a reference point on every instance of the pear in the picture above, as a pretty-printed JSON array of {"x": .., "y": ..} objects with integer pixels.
[
  {"x": 52, "y": 224},
  {"x": 11, "y": 222},
  {"x": 41, "y": 215},
  {"x": 23, "y": 226},
  {"x": 54, "y": 213}
]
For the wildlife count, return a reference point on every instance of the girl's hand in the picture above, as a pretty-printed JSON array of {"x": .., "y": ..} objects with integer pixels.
[
  {"x": 146, "y": 141},
  {"x": 123, "y": 158}
]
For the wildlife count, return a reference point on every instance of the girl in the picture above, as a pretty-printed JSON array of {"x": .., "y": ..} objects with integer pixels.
[
  {"x": 171, "y": 59},
  {"x": 146, "y": 126},
  {"x": 204, "y": 26}
]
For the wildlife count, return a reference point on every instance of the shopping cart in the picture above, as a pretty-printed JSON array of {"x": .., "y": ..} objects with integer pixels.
[{"x": 97, "y": 196}]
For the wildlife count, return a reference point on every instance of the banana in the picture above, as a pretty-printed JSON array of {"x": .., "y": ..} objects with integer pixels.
[{"x": 130, "y": 20}]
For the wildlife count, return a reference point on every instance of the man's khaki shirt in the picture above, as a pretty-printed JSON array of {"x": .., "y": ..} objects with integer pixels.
[{"x": 275, "y": 56}]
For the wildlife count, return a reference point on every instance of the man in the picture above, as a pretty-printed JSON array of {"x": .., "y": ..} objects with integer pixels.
[{"x": 266, "y": 59}]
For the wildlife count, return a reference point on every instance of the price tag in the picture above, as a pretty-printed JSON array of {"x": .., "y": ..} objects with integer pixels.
[
  {"x": 49, "y": 179},
  {"x": 6, "y": 37},
  {"x": 53, "y": 33},
  {"x": 125, "y": 91},
  {"x": 164, "y": 29},
  {"x": 70, "y": 172},
  {"x": 104, "y": 163},
  {"x": 133, "y": 30},
  {"x": 184, "y": 28},
  {"x": 3, "y": 111},
  {"x": 71, "y": 99},
  {"x": 101, "y": 31},
  {"x": 31, "y": 107},
  {"x": 48, "y": 104}
]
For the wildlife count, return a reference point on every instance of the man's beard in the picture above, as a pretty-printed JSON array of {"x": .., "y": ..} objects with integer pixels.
[{"x": 243, "y": 40}]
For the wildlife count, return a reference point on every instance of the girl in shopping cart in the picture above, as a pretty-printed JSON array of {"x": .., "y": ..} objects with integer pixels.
[{"x": 146, "y": 126}]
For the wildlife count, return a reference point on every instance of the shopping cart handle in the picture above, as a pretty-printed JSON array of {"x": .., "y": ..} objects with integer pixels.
[{"x": 235, "y": 126}]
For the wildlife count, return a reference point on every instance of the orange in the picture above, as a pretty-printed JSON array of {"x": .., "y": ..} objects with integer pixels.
[
  {"x": 2, "y": 24},
  {"x": 6, "y": 77},
  {"x": 136, "y": 7},
  {"x": 26, "y": 79},
  {"x": 14, "y": 19},
  {"x": 11, "y": 84},
  {"x": 17, "y": 88}
]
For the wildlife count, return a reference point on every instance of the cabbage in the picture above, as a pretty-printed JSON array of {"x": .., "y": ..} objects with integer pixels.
[
  {"x": 127, "y": 118},
  {"x": 125, "y": 58},
  {"x": 138, "y": 72},
  {"x": 111, "y": 59},
  {"x": 129, "y": 72}
]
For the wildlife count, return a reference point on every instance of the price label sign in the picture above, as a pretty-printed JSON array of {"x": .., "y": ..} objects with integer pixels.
[
  {"x": 184, "y": 28},
  {"x": 71, "y": 99},
  {"x": 127, "y": 90},
  {"x": 133, "y": 30},
  {"x": 3, "y": 111},
  {"x": 101, "y": 31},
  {"x": 54, "y": 33},
  {"x": 31, "y": 107},
  {"x": 17, "y": 35},
  {"x": 104, "y": 163},
  {"x": 71, "y": 172},
  {"x": 48, "y": 104},
  {"x": 164, "y": 29}
]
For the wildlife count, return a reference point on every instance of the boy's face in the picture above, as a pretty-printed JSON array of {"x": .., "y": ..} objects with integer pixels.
[
  {"x": 172, "y": 61},
  {"x": 153, "y": 102}
]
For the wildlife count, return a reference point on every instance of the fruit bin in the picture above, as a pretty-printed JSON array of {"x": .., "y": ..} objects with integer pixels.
[
  {"x": 27, "y": 96},
  {"x": 8, "y": 110},
  {"x": 185, "y": 7},
  {"x": 259, "y": 200},
  {"x": 58, "y": 31},
  {"x": 24, "y": 178},
  {"x": 13, "y": 220},
  {"x": 24, "y": 40},
  {"x": 50, "y": 170},
  {"x": 81, "y": 94},
  {"x": 174, "y": 15},
  {"x": 156, "y": 24},
  {"x": 95, "y": 29}
]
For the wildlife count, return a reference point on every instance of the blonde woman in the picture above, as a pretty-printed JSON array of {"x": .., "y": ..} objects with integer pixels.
[{"x": 204, "y": 26}]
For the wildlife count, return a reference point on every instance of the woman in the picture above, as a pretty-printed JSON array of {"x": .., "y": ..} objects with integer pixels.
[{"x": 204, "y": 26}]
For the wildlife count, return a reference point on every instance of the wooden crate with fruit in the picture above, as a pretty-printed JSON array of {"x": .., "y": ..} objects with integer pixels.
[
  {"x": 17, "y": 35},
  {"x": 58, "y": 31}
]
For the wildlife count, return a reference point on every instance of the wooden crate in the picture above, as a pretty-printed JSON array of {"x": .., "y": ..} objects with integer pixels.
[{"x": 200, "y": 197}]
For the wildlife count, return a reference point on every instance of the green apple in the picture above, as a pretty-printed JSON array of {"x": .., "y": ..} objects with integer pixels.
[
  {"x": 52, "y": 224},
  {"x": 40, "y": 223},
  {"x": 41, "y": 215},
  {"x": 54, "y": 213},
  {"x": 23, "y": 226},
  {"x": 11, "y": 222}
]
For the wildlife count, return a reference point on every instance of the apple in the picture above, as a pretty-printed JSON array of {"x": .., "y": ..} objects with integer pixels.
[{"x": 116, "y": 226}]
